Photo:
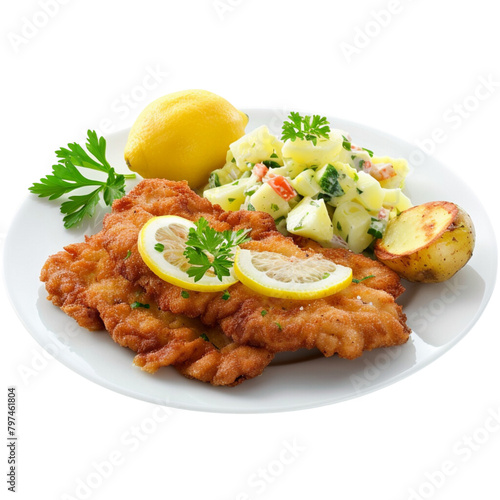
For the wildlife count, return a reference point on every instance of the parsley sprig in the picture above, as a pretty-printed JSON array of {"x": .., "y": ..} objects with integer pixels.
[
  {"x": 66, "y": 177},
  {"x": 207, "y": 248},
  {"x": 305, "y": 127}
]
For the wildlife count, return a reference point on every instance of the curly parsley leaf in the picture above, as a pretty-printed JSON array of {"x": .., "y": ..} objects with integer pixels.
[
  {"x": 305, "y": 127},
  {"x": 66, "y": 177},
  {"x": 207, "y": 248}
]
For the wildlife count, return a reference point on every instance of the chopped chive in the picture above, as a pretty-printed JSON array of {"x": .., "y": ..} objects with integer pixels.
[
  {"x": 129, "y": 253},
  {"x": 363, "y": 279},
  {"x": 339, "y": 226},
  {"x": 368, "y": 151},
  {"x": 279, "y": 326}
]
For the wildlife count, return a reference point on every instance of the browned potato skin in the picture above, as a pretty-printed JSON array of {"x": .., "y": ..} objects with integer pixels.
[{"x": 442, "y": 257}]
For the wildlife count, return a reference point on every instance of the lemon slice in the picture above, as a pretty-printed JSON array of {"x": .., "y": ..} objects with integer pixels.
[
  {"x": 161, "y": 243},
  {"x": 277, "y": 275}
]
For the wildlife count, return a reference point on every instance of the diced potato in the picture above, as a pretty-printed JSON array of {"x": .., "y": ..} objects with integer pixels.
[
  {"x": 305, "y": 183},
  {"x": 305, "y": 152},
  {"x": 370, "y": 193},
  {"x": 354, "y": 159},
  {"x": 256, "y": 146},
  {"x": 290, "y": 169},
  {"x": 404, "y": 203},
  {"x": 229, "y": 196},
  {"x": 391, "y": 197},
  {"x": 266, "y": 199},
  {"x": 351, "y": 221},
  {"x": 428, "y": 243},
  {"x": 310, "y": 219},
  {"x": 400, "y": 166}
]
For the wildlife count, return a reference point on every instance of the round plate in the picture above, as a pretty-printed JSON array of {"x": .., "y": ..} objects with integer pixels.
[{"x": 439, "y": 314}]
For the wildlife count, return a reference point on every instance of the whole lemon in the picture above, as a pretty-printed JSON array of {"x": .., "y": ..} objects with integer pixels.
[{"x": 184, "y": 136}]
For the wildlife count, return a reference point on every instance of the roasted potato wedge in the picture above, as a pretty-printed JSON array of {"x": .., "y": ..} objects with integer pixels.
[{"x": 428, "y": 243}]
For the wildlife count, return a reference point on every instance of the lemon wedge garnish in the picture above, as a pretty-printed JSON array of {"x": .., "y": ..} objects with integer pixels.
[
  {"x": 162, "y": 242},
  {"x": 277, "y": 275}
]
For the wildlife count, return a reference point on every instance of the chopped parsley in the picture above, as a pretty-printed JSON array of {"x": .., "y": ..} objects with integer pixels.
[
  {"x": 230, "y": 200},
  {"x": 159, "y": 247},
  {"x": 274, "y": 155},
  {"x": 368, "y": 151},
  {"x": 184, "y": 294},
  {"x": 204, "y": 337},
  {"x": 129, "y": 253},
  {"x": 339, "y": 226},
  {"x": 263, "y": 312},
  {"x": 346, "y": 144},
  {"x": 279, "y": 326},
  {"x": 213, "y": 180},
  {"x": 250, "y": 208},
  {"x": 136, "y": 305},
  {"x": 274, "y": 207},
  {"x": 225, "y": 295}
]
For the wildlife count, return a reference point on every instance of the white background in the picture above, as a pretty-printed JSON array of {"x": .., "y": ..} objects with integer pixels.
[{"x": 75, "y": 72}]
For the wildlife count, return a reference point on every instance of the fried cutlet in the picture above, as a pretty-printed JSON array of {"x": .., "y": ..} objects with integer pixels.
[
  {"x": 82, "y": 281},
  {"x": 361, "y": 317}
]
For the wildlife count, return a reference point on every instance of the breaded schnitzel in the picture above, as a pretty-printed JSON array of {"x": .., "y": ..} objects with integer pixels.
[
  {"x": 360, "y": 317},
  {"x": 82, "y": 281}
]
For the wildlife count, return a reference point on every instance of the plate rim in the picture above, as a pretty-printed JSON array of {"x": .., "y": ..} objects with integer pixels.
[{"x": 64, "y": 357}]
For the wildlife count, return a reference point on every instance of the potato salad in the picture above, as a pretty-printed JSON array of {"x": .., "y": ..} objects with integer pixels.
[{"x": 314, "y": 181}]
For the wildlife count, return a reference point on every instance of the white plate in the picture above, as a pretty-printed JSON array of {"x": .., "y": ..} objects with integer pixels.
[{"x": 440, "y": 315}]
